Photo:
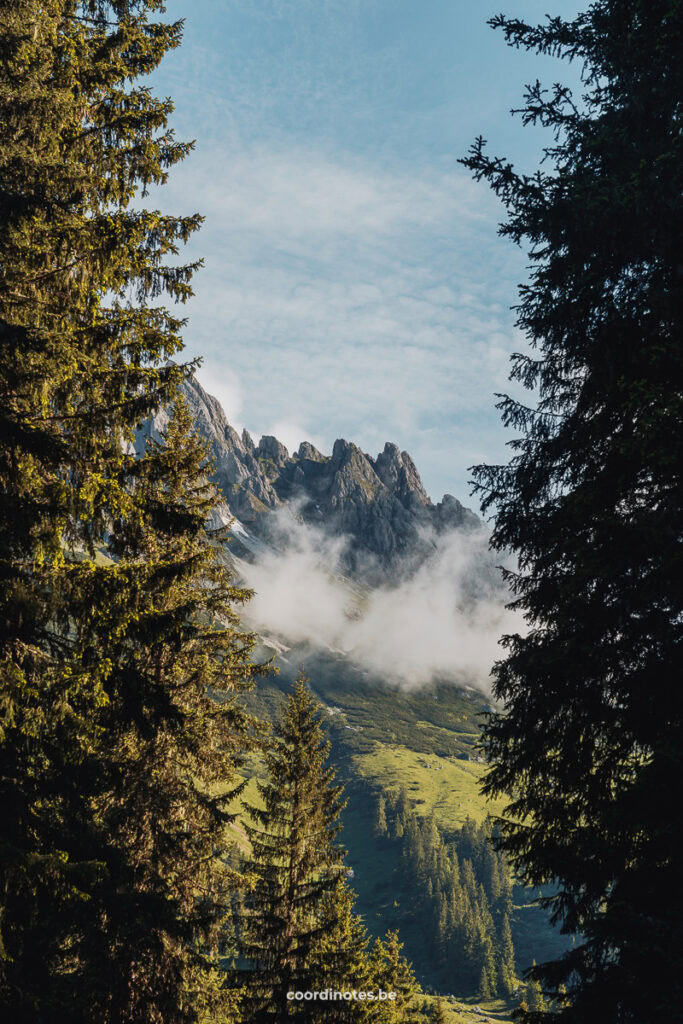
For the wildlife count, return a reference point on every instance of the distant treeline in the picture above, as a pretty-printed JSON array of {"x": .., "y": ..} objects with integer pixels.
[{"x": 466, "y": 896}]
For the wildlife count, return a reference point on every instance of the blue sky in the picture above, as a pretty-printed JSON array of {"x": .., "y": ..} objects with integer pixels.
[{"x": 354, "y": 284}]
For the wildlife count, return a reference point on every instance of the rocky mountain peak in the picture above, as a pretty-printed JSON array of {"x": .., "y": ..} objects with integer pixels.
[
  {"x": 398, "y": 472},
  {"x": 308, "y": 451},
  {"x": 379, "y": 504},
  {"x": 271, "y": 449},
  {"x": 343, "y": 452}
]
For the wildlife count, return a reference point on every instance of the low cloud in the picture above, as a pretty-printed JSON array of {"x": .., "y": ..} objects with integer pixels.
[{"x": 444, "y": 622}]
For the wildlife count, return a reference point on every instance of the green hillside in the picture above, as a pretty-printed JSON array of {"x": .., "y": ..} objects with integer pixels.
[
  {"x": 426, "y": 742},
  {"x": 448, "y": 787}
]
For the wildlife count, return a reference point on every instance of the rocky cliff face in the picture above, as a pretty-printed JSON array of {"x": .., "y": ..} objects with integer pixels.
[{"x": 379, "y": 503}]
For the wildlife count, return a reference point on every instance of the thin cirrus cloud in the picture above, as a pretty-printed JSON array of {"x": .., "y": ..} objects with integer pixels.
[
  {"x": 302, "y": 194},
  {"x": 342, "y": 298},
  {"x": 354, "y": 285}
]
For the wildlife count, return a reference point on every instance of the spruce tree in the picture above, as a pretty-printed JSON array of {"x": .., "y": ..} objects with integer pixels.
[
  {"x": 381, "y": 817},
  {"x": 505, "y": 886},
  {"x": 173, "y": 726},
  {"x": 534, "y": 997},
  {"x": 109, "y": 906},
  {"x": 441, "y": 932},
  {"x": 589, "y": 748},
  {"x": 402, "y": 801},
  {"x": 391, "y": 972},
  {"x": 484, "y": 985},
  {"x": 486, "y": 957},
  {"x": 492, "y": 876},
  {"x": 506, "y": 959},
  {"x": 295, "y": 864},
  {"x": 341, "y": 960}
]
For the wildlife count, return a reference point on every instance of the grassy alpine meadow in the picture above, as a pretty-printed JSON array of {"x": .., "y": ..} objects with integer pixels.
[
  {"x": 448, "y": 787},
  {"x": 458, "y": 1011}
]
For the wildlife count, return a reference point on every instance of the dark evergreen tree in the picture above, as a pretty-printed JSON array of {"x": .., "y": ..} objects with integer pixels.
[
  {"x": 505, "y": 902},
  {"x": 381, "y": 818},
  {"x": 391, "y": 972},
  {"x": 295, "y": 864},
  {"x": 506, "y": 959},
  {"x": 442, "y": 931},
  {"x": 402, "y": 801},
  {"x": 590, "y": 745},
  {"x": 340, "y": 960},
  {"x": 110, "y": 871},
  {"x": 534, "y": 997},
  {"x": 468, "y": 880},
  {"x": 487, "y": 958},
  {"x": 492, "y": 881},
  {"x": 167, "y": 775}
]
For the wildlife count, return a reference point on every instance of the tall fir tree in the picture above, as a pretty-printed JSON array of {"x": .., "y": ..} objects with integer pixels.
[
  {"x": 484, "y": 991},
  {"x": 341, "y": 961},
  {"x": 590, "y": 745},
  {"x": 506, "y": 959},
  {"x": 487, "y": 959},
  {"x": 165, "y": 616},
  {"x": 391, "y": 972},
  {"x": 381, "y": 817},
  {"x": 108, "y": 909},
  {"x": 296, "y": 865},
  {"x": 534, "y": 997}
]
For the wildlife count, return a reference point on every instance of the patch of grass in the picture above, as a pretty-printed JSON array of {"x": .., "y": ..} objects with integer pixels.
[
  {"x": 459, "y": 1012},
  {"x": 445, "y": 785}
]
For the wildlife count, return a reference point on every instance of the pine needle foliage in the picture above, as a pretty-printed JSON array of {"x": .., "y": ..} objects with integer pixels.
[
  {"x": 166, "y": 619},
  {"x": 438, "y": 1012},
  {"x": 394, "y": 974},
  {"x": 340, "y": 960},
  {"x": 298, "y": 929},
  {"x": 296, "y": 862},
  {"x": 116, "y": 615},
  {"x": 590, "y": 747}
]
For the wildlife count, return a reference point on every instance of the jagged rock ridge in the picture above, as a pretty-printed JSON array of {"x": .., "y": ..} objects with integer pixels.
[{"x": 379, "y": 503}]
